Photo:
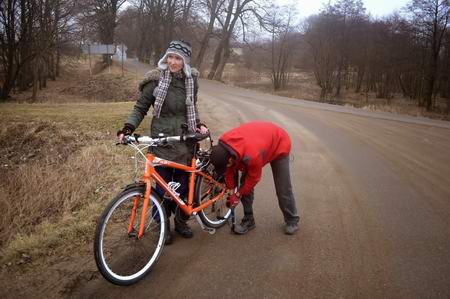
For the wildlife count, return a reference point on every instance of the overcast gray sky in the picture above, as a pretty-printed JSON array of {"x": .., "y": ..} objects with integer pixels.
[{"x": 376, "y": 8}]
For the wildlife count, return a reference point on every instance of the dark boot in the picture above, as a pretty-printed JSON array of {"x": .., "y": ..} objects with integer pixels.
[
  {"x": 247, "y": 223},
  {"x": 168, "y": 240},
  {"x": 181, "y": 225},
  {"x": 291, "y": 228}
]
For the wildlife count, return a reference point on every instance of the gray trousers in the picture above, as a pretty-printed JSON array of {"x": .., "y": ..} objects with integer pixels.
[{"x": 283, "y": 187}]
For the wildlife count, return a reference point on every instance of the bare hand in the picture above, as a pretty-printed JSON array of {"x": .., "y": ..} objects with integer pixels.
[
  {"x": 203, "y": 130},
  {"x": 121, "y": 137}
]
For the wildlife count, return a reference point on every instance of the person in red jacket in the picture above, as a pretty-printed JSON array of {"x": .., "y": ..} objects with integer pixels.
[{"x": 246, "y": 149}]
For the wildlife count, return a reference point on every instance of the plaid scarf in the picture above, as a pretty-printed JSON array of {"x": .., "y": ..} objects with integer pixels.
[{"x": 161, "y": 91}]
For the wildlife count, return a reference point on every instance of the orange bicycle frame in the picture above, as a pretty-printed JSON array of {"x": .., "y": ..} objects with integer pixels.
[{"x": 151, "y": 174}]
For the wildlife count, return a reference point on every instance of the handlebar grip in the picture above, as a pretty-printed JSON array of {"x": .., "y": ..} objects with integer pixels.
[{"x": 128, "y": 139}]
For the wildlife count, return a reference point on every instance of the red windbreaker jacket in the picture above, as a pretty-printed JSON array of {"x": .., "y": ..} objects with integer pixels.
[{"x": 255, "y": 144}]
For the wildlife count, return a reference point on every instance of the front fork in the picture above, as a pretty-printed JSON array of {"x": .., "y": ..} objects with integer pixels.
[
  {"x": 146, "y": 206},
  {"x": 131, "y": 231}
]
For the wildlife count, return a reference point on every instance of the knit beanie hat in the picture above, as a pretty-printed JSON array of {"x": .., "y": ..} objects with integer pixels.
[{"x": 182, "y": 49}]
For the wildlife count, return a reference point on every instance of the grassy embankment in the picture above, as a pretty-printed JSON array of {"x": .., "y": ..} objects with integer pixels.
[{"x": 58, "y": 162}]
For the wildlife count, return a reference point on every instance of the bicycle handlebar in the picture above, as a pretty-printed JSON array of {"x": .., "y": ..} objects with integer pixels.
[{"x": 193, "y": 137}]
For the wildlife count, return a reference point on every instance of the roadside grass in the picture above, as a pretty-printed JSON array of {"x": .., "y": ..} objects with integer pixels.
[
  {"x": 59, "y": 166},
  {"x": 302, "y": 86},
  {"x": 58, "y": 162},
  {"x": 76, "y": 84}
]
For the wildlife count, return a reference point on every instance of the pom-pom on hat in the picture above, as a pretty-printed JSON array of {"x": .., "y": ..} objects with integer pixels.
[{"x": 182, "y": 49}]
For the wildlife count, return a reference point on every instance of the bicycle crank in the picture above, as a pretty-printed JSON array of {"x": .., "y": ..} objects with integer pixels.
[{"x": 209, "y": 230}]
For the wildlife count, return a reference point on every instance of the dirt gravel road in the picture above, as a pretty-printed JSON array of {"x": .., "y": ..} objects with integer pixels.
[{"x": 373, "y": 192}]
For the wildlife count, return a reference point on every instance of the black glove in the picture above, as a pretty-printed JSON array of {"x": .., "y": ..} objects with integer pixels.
[{"x": 127, "y": 129}]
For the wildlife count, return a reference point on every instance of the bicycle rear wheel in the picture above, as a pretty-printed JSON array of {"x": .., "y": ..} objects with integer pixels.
[
  {"x": 215, "y": 215},
  {"x": 121, "y": 257}
]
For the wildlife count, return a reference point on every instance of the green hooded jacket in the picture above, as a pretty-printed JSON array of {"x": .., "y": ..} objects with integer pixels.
[{"x": 172, "y": 116}]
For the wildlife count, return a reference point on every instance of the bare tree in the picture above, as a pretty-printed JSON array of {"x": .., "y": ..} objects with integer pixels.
[
  {"x": 102, "y": 14},
  {"x": 156, "y": 23},
  {"x": 214, "y": 6},
  {"x": 430, "y": 18},
  {"x": 349, "y": 15},
  {"x": 445, "y": 71},
  {"x": 282, "y": 44},
  {"x": 31, "y": 36},
  {"x": 11, "y": 41},
  {"x": 235, "y": 10},
  {"x": 321, "y": 35}
]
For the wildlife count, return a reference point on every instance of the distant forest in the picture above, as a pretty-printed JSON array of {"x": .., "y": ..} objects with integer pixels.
[{"x": 407, "y": 52}]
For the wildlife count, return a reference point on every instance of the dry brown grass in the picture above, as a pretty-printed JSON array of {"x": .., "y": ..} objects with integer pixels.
[
  {"x": 58, "y": 165},
  {"x": 76, "y": 84},
  {"x": 302, "y": 86}
]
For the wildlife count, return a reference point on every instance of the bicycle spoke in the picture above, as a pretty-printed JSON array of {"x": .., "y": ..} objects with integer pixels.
[
  {"x": 214, "y": 215},
  {"x": 123, "y": 254}
]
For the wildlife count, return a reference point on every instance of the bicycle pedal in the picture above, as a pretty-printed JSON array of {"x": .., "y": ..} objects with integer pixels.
[
  {"x": 205, "y": 228},
  {"x": 210, "y": 230}
]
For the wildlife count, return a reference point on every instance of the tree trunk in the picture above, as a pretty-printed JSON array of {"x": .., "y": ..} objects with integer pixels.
[
  {"x": 35, "y": 80},
  {"x": 55, "y": 54},
  {"x": 223, "y": 62},
  {"x": 24, "y": 77},
  {"x": 9, "y": 65},
  {"x": 58, "y": 62},
  {"x": 338, "y": 78},
  {"x": 216, "y": 61},
  {"x": 225, "y": 36},
  {"x": 429, "y": 86},
  {"x": 206, "y": 37},
  {"x": 360, "y": 78},
  {"x": 7, "y": 85}
]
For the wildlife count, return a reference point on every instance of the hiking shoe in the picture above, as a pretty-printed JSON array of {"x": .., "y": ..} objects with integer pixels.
[
  {"x": 247, "y": 223},
  {"x": 291, "y": 228},
  {"x": 183, "y": 229},
  {"x": 181, "y": 226},
  {"x": 168, "y": 239}
]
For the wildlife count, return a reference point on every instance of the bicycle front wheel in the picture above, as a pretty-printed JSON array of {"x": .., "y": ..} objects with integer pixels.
[
  {"x": 121, "y": 257},
  {"x": 216, "y": 214}
]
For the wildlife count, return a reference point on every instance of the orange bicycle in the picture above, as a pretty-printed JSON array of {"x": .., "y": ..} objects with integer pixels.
[{"x": 131, "y": 232}]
